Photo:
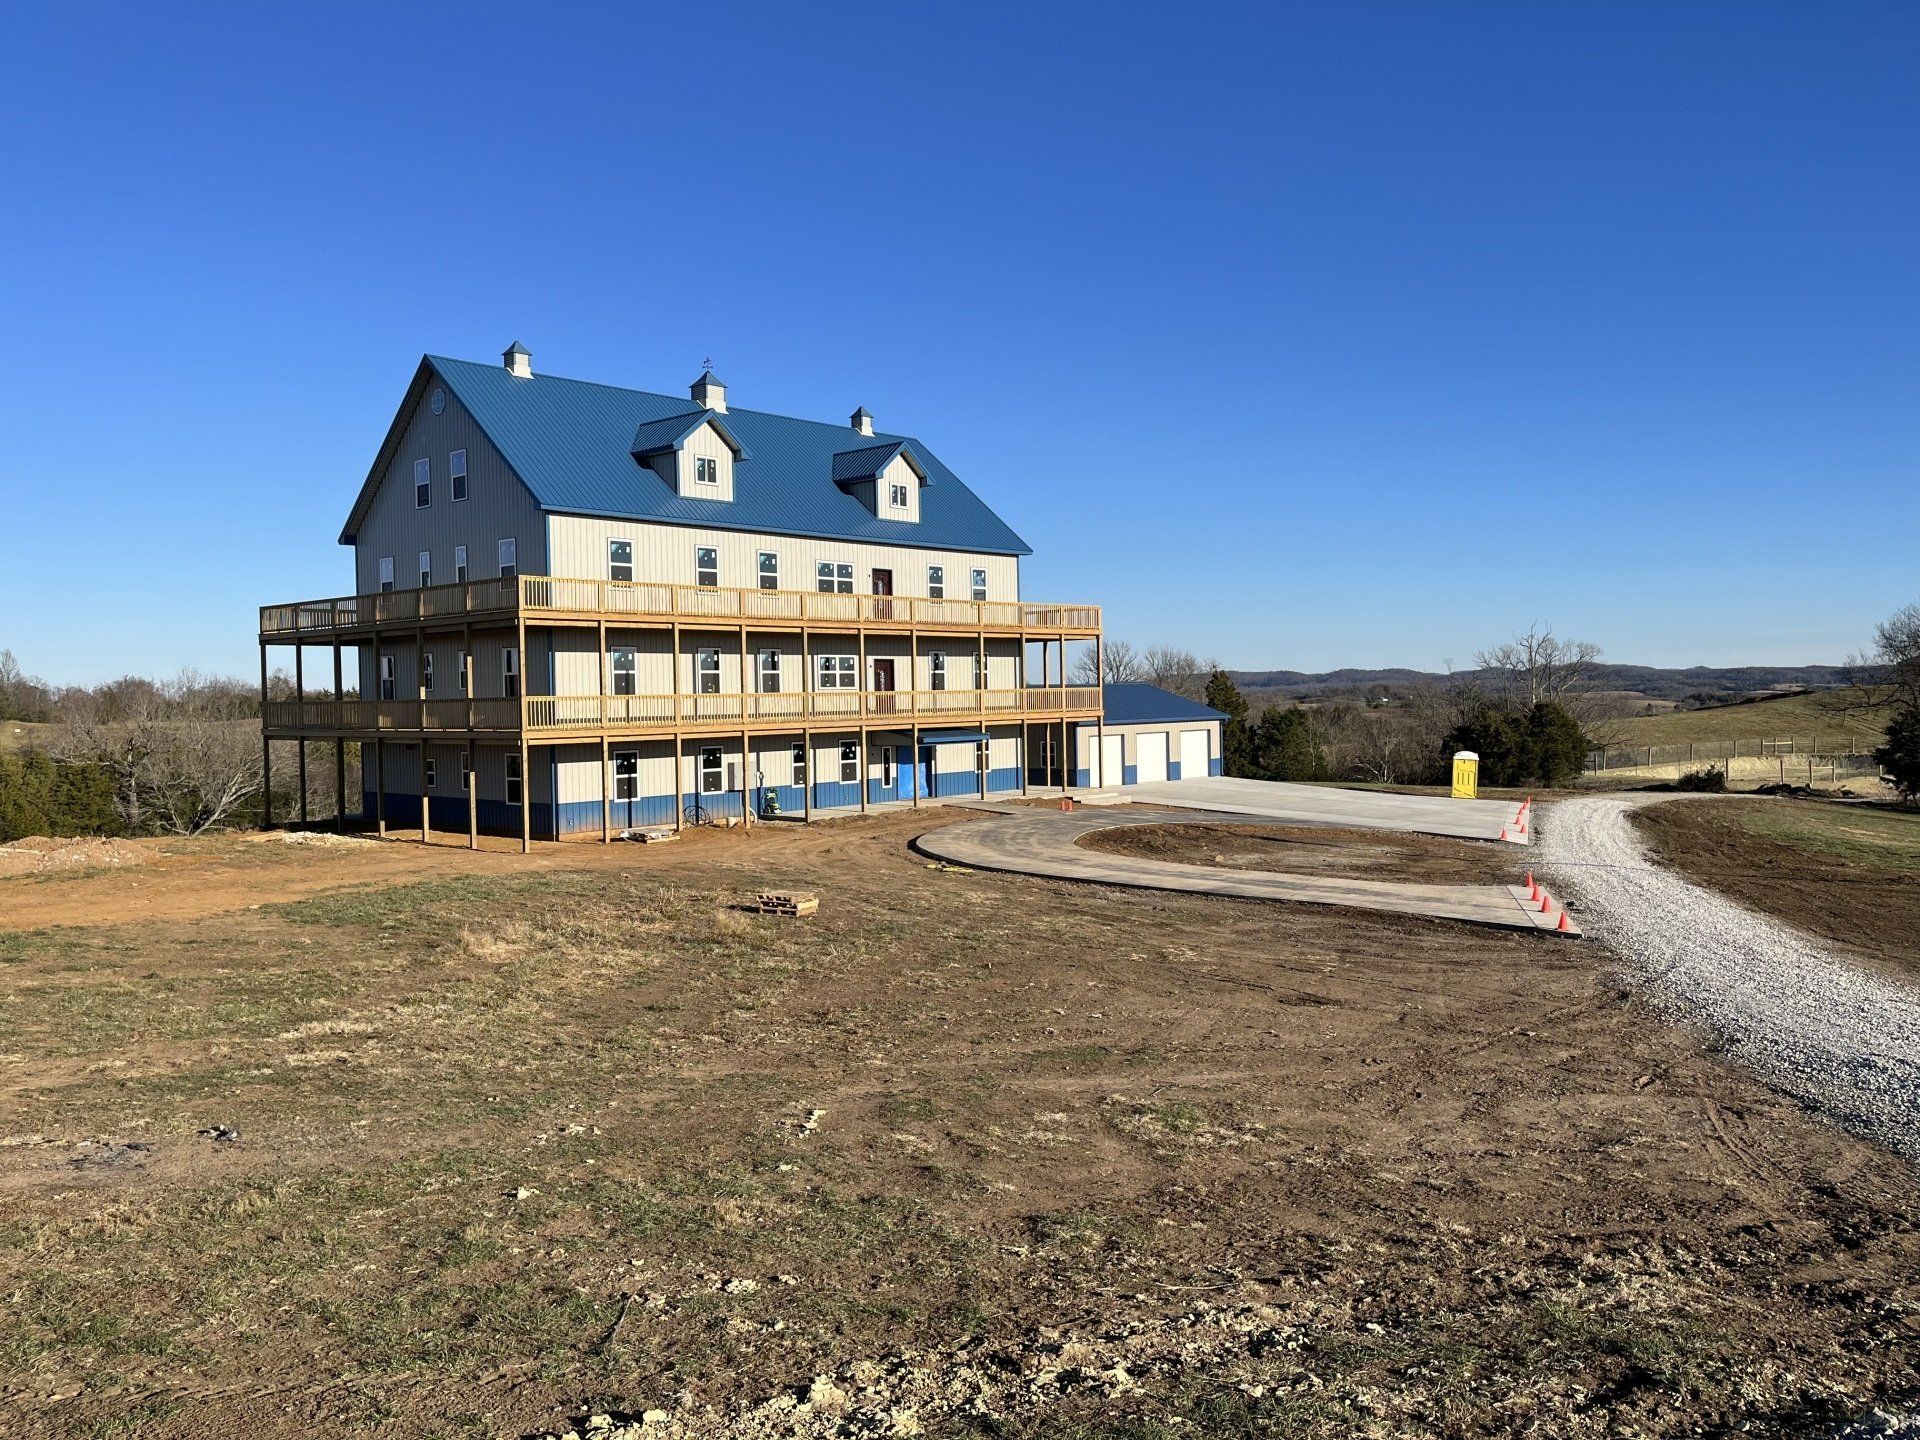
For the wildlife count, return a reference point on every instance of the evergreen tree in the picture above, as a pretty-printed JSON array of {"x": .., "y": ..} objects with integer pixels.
[
  {"x": 1236, "y": 740},
  {"x": 1899, "y": 756},
  {"x": 1285, "y": 747}
]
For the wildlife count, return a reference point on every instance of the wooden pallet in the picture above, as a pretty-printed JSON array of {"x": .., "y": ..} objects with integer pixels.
[{"x": 791, "y": 903}]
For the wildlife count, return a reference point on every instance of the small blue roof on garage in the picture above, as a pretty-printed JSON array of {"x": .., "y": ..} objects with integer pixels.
[
  {"x": 1133, "y": 703},
  {"x": 571, "y": 442}
]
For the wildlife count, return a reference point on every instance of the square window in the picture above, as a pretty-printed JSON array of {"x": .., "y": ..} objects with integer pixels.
[
  {"x": 707, "y": 672},
  {"x": 936, "y": 582},
  {"x": 706, "y": 470},
  {"x": 626, "y": 774},
  {"x": 513, "y": 779},
  {"x": 509, "y": 559},
  {"x": 620, "y": 559},
  {"x": 849, "y": 762},
  {"x": 422, "y": 484},
  {"x": 625, "y": 669},
  {"x": 769, "y": 570},
  {"x": 980, "y": 585},
  {"x": 706, "y": 565},
  {"x": 897, "y": 496},
  {"x": 457, "y": 468},
  {"x": 843, "y": 579},
  {"x": 835, "y": 672},
  {"x": 386, "y": 574},
  {"x": 713, "y": 776},
  {"x": 823, "y": 573},
  {"x": 460, "y": 564},
  {"x": 432, "y": 774}
]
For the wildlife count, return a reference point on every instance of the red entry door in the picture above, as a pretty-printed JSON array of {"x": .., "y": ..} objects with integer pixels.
[
  {"x": 883, "y": 586},
  {"x": 883, "y": 686}
]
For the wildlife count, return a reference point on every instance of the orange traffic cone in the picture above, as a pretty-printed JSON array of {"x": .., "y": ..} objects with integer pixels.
[{"x": 1565, "y": 924}]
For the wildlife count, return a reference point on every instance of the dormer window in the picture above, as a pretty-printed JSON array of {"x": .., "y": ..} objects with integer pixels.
[
  {"x": 706, "y": 470},
  {"x": 897, "y": 495}
]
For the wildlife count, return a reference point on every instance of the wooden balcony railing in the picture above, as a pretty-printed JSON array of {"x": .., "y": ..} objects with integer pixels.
[
  {"x": 537, "y": 597},
  {"x": 550, "y": 714}
]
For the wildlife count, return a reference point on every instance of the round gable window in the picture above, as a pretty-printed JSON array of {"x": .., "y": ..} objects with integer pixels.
[{"x": 439, "y": 401}]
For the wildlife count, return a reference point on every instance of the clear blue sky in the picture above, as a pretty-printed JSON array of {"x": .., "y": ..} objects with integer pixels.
[{"x": 1304, "y": 335}]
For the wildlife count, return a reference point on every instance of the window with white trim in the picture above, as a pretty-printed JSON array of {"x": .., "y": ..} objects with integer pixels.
[
  {"x": 465, "y": 661},
  {"x": 706, "y": 672},
  {"x": 713, "y": 775},
  {"x": 509, "y": 558},
  {"x": 833, "y": 578},
  {"x": 835, "y": 672},
  {"x": 769, "y": 672},
  {"x": 457, "y": 470},
  {"x": 706, "y": 565},
  {"x": 426, "y": 568},
  {"x": 849, "y": 762},
  {"x": 706, "y": 470},
  {"x": 897, "y": 495},
  {"x": 799, "y": 762},
  {"x": 625, "y": 670},
  {"x": 979, "y": 679},
  {"x": 510, "y": 673},
  {"x": 979, "y": 584},
  {"x": 432, "y": 773},
  {"x": 513, "y": 779},
  {"x": 386, "y": 574},
  {"x": 426, "y": 671},
  {"x": 460, "y": 564},
  {"x": 422, "y": 484},
  {"x": 769, "y": 570},
  {"x": 386, "y": 677},
  {"x": 626, "y": 774},
  {"x": 466, "y": 772},
  {"x": 886, "y": 767},
  {"x": 620, "y": 559},
  {"x": 936, "y": 669},
  {"x": 936, "y": 582}
]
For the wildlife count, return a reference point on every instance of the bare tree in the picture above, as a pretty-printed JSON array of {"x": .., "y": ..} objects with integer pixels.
[
  {"x": 1180, "y": 671},
  {"x": 1891, "y": 674},
  {"x": 184, "y": 754},
  {"x": 21, "y": 696},
  {"x": 1117, "y": 658},
  {"x": 1539, "y": 667}
]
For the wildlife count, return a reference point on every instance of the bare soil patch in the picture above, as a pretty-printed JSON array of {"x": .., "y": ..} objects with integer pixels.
[
  {"x": 1316, "y": 850},
  {"x": 1847, "y": 874},
  {"x": 44, "y": 855},
  {"x": 522, "y": 1140}
]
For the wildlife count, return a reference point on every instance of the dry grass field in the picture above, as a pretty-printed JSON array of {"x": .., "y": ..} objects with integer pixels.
[
  {"x": 510, "y": 1142},
  {"x": 1804, "y": 717}
]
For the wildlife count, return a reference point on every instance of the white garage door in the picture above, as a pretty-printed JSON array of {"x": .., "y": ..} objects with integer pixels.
[
  {"x": 1193, "y": 754},
  {"x": 1112, "y": 748},
  {"x": 1152, "y": 750}
]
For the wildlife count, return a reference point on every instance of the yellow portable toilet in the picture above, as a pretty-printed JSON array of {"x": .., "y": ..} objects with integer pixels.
[{"x": 1466, "y": 775}]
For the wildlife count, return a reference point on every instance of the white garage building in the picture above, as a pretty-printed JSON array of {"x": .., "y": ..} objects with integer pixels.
[{"x": 1149, "y": 735}]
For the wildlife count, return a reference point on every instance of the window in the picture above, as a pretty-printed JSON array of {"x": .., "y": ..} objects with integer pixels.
[
  {"x": 624, "y": 670},
  {"x": 386, "y": 677},
  {"x": 460, "y": 564},
  {"x": 979, "y": 679},
  {"x": 769, "y": 570},
  {"x": 849, "y": 762},
  {"x": 799, "y": 762},
  {"x": 620, "y": 559},
  {"x": 513, "y": 779},
  {"x": 712, "y": 776},
  {"x": 433, "y": 782},
  {"x": 465, "y": 660},
  {"x": 422, "y": 484},
  {"x": 626, "y": 774},
  {"x": 979, "y": 584},
  {"x": 886, "y": 766},
  {"x": 836, "y": 672},
  {"x": 510, "y": 672},
  {"x": 706, "y": 672},
  {"x": 457, "y": 468},
  {"x": 426, "y": 671},
  {"x": 466, "y": 772},
  {"x": 897, "y": 495},
  {"x": 834, "y": 578},
  {"x": 769, "y": 672},
  {"x": 937, "y": 674},
  {"x": 706, "y": 565},
  {"x": 386, "y": 574},
  {"x": 509, "y": 559},
  {"x": 706, "y": 471},
  {"x": 936, "y": 582},
  {"x": 426, "y": 568}
]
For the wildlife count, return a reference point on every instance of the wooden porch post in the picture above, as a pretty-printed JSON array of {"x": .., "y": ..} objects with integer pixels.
[
  {"x": 266, "y": 749},
  {"x": 746, "y": 779},
  {"x": 473, "y": 792},
  {"x": 679, "y": 763},
  {"x": 806, "y": 776},
  {"x": 300, "y": 693},
  {"x": 526, "y": 782},
  {"x": 1100, "y": 716},
  {"x": 339, "y": 745},
  {"x": 379, "y": 787},
  {"x": 606, "y": 792},
  {"x": 915, "y": 732},
  {"x": 860, "y": 745}
]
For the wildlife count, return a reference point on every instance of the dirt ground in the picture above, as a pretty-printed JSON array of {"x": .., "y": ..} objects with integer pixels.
[
  {"x": 1319, "y": 850},
  {"x": 1849, "y": 875},
  {"x": 511, "y": 1141}
]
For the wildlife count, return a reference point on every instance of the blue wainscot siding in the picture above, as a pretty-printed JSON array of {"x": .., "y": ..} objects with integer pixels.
[
  {"x": 1129, "y": 774},
  {"x": 1005, "y": 778},
  {"x": 1214, "y": 767},
  {"x": 1082, "y": 778},
  {"x": 1173, "y": 769}
]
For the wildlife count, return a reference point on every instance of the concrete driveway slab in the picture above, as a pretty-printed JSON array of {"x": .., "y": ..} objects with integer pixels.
[{"x": 1329, "y": 805}]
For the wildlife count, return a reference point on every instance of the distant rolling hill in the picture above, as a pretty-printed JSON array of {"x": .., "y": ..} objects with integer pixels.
[{"x": 1695, "y": 684}]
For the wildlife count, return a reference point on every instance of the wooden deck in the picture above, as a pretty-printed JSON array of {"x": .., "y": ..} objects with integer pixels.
[{"x": 548, "y": 600}]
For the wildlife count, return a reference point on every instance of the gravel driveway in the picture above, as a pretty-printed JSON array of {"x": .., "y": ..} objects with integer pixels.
[{"x": 1818, "y": 1027}]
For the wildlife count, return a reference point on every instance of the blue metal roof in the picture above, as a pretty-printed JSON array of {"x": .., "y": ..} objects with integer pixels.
[
  {"x": 1133, "y": 703},
  {"x": 572, "y": 442},
  {"x": 870, "y": 460}
]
